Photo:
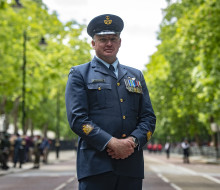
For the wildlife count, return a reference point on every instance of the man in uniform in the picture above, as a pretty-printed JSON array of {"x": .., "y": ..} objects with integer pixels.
[{"x": 109, "y": 108}]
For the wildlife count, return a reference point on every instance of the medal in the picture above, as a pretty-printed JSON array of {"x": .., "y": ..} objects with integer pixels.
[{"x": 133, "y": 85}]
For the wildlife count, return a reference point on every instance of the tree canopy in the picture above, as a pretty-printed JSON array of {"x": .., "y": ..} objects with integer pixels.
[
  {"x": 47, "y": 67},
  {"x": 183, "y": 74}
]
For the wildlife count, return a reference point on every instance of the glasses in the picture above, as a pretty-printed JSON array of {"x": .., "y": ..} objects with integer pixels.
[{"x": 105, "y": 39}]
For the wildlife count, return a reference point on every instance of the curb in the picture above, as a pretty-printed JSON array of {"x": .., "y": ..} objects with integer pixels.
[{"x": 64, "y": 155}]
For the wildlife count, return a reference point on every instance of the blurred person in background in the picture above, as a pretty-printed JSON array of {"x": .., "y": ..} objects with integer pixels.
[
  {"x": 19, "y": 150},
  {"x": 1, "y": 139},
  {"x": 12, "y": 139},
  {"x": 57, "y": 146},
  {"x": 149, "y": 147},
  {"x": 154, "y": 148},
  {"x": 37, "y": 151},
  {"x": 44, "y": 147},
  {"x": 28, "y": 149},
  {"x": 159, "y": 147},
  {"x": 4, "y": 150},
  {"x": 185, "y": 146},
  {"x": 167, "y": 149}
]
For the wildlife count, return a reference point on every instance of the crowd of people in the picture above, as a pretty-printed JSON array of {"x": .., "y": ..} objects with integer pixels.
[
  {"x": 158, "y": 148},
  {"x": 21, "y": 149}
]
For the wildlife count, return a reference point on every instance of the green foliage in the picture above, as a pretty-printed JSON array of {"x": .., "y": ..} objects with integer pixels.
[
  {"x": 47, "y": 67},
  {"x": 184, "y": 73}
]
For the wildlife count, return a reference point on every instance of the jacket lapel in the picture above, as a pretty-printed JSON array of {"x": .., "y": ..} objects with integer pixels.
[
  {"x": 121, "y": 71},
  {"x": 100, "y": 67}
]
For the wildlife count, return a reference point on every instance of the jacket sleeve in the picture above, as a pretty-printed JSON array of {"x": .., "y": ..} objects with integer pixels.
[
  {"x": 77, "y": 112},
  {"x": 147, "y": 119}
]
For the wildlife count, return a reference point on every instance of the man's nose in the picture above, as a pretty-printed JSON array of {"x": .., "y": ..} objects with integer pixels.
[{"x": 109, "y": 42}]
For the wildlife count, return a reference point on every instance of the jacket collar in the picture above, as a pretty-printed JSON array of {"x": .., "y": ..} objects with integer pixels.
[
  {"x": 100, "y": 67},
  {"x": 122, "y": 71}
]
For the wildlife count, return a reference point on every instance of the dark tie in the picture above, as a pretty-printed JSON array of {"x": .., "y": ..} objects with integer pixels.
[{"x": 112, "y": 68}]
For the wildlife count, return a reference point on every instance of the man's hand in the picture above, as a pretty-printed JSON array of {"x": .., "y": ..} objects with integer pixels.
[{"x": 120, "y": 148}]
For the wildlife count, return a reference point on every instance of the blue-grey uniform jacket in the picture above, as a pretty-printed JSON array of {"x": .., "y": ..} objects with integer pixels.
[{"x": 101, "y": 106}]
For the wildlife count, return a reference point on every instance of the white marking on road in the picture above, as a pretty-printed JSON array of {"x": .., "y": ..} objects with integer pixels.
[
  {"x": 61, "y": 186},
  {"x": 175, "y": 186},
  {"x": 211, "y": 178},
  {"x": 186, "y": 170},
  {"x": 175, "y": 168},
  {"x": 42, "y": 174},
  {"x": 71, "y": 179},
  {"x": 172, "y": 169},
  {"x": 163, "y": 178},
  {"x": 167, "y": 181},
  {"x": 158, "y": 169}
]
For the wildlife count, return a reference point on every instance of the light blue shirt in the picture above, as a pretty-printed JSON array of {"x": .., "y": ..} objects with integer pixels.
[{"x": 115, "y": 65}]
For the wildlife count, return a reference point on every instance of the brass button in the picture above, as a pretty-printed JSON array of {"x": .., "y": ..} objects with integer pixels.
[
  {"x": 118, "y": 83},
  {"x": 121, "y": 100},
  {"x": 124, "y": 135},
  {"x": 124, "y": 117},
  {"x": 99, "y": 88}
]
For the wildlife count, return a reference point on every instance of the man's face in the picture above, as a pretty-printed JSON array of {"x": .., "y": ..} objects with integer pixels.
[{"x": 106, "y": 46}]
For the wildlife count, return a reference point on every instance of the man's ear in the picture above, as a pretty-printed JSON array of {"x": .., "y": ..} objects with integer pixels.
[
  {"x": 120, "y": 42},
  {"x": 93, "y": 44}
]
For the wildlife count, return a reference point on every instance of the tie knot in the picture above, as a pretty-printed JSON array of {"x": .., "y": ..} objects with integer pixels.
[{"x": 112, "y": 68}]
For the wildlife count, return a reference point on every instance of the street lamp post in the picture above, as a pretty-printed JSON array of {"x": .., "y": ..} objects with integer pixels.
[
  {"x": 42, "y": 43},
  {"x": 57, "y": 144},
  {"x": 24, "y": 80}
]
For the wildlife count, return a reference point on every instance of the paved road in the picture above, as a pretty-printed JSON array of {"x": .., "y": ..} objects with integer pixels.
[
  {"x": 176, "y": 175},
  {"x": 160, "y": 174}
]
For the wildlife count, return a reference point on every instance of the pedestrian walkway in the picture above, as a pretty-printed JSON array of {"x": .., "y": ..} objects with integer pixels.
[
  {"x": 63, "y": 156},
  {"x": 179, "y": 158}
]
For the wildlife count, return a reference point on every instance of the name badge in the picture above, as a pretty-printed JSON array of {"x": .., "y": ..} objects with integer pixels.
[{"x": 98, "y": 80}]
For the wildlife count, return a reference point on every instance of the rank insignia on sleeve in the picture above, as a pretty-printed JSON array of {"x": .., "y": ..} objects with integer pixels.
[
  {"x": 133, "y": 85},
  {"x": 87, "y": 128},
  {"x": 149, "y": 134}
]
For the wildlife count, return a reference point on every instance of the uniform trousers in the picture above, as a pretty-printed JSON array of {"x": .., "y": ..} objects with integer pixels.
[{"x": 110, "y": 181}]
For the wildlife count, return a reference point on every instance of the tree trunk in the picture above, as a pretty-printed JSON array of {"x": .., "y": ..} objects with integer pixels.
[
  {"x": 45, "y": 127},
  {"x": 27, "y": 126},
  {"x": 2, "y": 105},
  {"x": 6, "y": 123},
  {"x": 14, "y": 114},
  {"x": 32, "y": 128}
]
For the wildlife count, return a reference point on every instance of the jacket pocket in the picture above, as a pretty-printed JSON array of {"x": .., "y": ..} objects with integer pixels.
[
  {"x": 99, "y": 95},
  {"x": 134, "y": 101}
]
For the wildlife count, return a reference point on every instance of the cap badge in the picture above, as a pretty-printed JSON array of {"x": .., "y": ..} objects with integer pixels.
[
  {"x": 87, "y": 129},
  {"x": 107, "y": 21}
]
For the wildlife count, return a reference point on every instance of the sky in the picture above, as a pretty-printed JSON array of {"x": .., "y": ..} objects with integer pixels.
[{"x": 141, "y": 23}]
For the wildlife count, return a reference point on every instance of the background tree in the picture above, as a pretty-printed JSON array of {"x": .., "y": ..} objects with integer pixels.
[
  {"x": 47, "y": 67},
  {"x": 183, "y": 74}
]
